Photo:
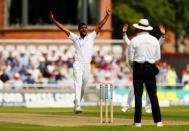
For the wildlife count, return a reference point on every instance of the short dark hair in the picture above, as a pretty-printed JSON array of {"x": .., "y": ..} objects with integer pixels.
[{"x": 81, "y": 24}]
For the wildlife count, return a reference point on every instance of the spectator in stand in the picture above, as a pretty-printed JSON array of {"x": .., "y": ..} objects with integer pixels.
[
  {"x": 23, "y": 59},
  {"x": 65, "y": 82},
  {"x": 65, "y": 56},
  {"x": 46, "y": 73},
  {"x": 52, "y": 79},
  {"x": 12, "y": 61},
  {"x": 3, "y": 76},
  {"x": 107, "y": 78},
  {"x": 59, "y": 61},
  {"x": 10, "y": 71},
  {"x": 116, "y": 67},
  {"x": 2, "y": 57},
  {"x": 95, "y": 80},
  {"x": 51, "y": 67},
  {"x": 45, "y": 57},
  {"x": 94, "y": 68},
  {"x": 120, "y": 81},
  {"x": 185, "y": 79},
  {"x": 184, "y": 71},
  {"x": 98, "y": 58},
  {"x": 161, "y": 77},
  {"x": 30, "y": 79},
  {"x": 42, "y": 64},
  {"x": 23, "y": 72},
  {"x": 34, "y": 71},
  {"x": 171, "y": 77},
  {"x": 41, "y": 79},
  {"x": 70, "y": 65},
  {"x": 53, "y": 56},
  {"x": 16, "y": 82},
  {"x": 108, "y": 57},
  {"x": 34, "y": 59},
  {"x": 163, "y": 72}
]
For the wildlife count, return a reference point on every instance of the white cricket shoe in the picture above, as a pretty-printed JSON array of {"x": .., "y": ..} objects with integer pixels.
[
  {"x": 125, "y": 109},
  {"x": 159, "y": 124},
  {"x": 78, "y": 110},
  {"x": 135, "y": 124}
]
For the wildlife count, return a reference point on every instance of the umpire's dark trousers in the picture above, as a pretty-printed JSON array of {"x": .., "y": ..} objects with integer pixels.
[{"x": 144, "y": 73}]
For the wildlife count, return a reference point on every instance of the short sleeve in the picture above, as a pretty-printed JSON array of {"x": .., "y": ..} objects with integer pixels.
[
  {"x": 161, "y": 40},
  {"x": 93, "y": 35},
  {"x": 73, "y": 36}
]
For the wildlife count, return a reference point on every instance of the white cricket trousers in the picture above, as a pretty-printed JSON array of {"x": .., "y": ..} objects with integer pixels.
[{"x": 81, "y": 75}]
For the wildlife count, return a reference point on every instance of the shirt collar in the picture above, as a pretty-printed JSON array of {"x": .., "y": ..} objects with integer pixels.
[
  {"x": 142, "y": 33},
  {"x": 83, "y": 38}
]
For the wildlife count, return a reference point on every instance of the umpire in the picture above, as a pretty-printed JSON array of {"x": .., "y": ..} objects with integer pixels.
[{"x": 144, "y": 52}]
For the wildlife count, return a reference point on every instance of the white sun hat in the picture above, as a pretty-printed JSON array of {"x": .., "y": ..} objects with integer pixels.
[{"x": 143, "y": 24}]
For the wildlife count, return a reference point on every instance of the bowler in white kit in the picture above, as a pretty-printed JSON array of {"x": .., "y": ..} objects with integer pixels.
[{"x": 83, "y": 53}]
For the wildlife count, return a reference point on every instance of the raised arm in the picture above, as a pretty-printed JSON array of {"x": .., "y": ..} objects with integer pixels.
[
  {"x": 162, "y": 38},
  {"x": 58, "y": 24},
  {"x": 131, "y": 51},
  {"x": 125, "y": 37},
  {"x": 100, "y": 25}
]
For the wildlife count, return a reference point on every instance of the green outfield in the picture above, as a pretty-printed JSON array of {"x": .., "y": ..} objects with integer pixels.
[{"x": 63, "y": 119}]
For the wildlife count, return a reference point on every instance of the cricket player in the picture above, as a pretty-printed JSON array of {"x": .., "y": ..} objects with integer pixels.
[
  {"x": 83, "y": 53},
  {"x": 131, "y": 90}
]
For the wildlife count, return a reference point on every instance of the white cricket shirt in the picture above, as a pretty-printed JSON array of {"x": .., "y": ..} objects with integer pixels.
[
  {"x": 127, "y": 41},
  {"x": 144, "y": 47},
  {"x": 83, "y": 47}
]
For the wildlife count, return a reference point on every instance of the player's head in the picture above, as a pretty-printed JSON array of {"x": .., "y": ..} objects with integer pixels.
[
  {"x": 82, "y": 27},
  {"x": 143, "y": 25}
]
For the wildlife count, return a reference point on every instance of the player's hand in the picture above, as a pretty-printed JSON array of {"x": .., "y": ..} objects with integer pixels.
[
  {"x": 125, "y": 28},
  {"x": 108, "y": 12},
  {"x": 51, "y": 15},
  {"x": 162, "y": 29}
]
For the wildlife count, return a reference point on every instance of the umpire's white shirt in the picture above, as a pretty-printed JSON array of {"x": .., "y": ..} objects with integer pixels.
[
  {"x": 127, "y": 41},
  {"x": 144, "y": 47},
  {"x": 83, "y": 47}
]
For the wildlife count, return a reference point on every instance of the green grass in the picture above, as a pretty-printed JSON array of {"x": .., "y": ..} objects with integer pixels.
[
  {"x": 168, "y": 113},
  {"x": 25, "y": 127}
]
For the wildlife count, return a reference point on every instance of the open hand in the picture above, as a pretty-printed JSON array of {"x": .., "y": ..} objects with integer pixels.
[
  {"x": 125, "y": 28},
  {"x": 51, "y": 15}
]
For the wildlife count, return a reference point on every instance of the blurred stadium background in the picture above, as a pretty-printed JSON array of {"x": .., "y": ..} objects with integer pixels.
[{"x": 36, "y": 58}]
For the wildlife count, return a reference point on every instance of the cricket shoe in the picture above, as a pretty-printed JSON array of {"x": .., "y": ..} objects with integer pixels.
[
  {"x": 78, "y": 110},
  {"x": 159, "y": 124},
  {"x": 135, "y": 124},
  {"x": 125, "y": 109}
]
